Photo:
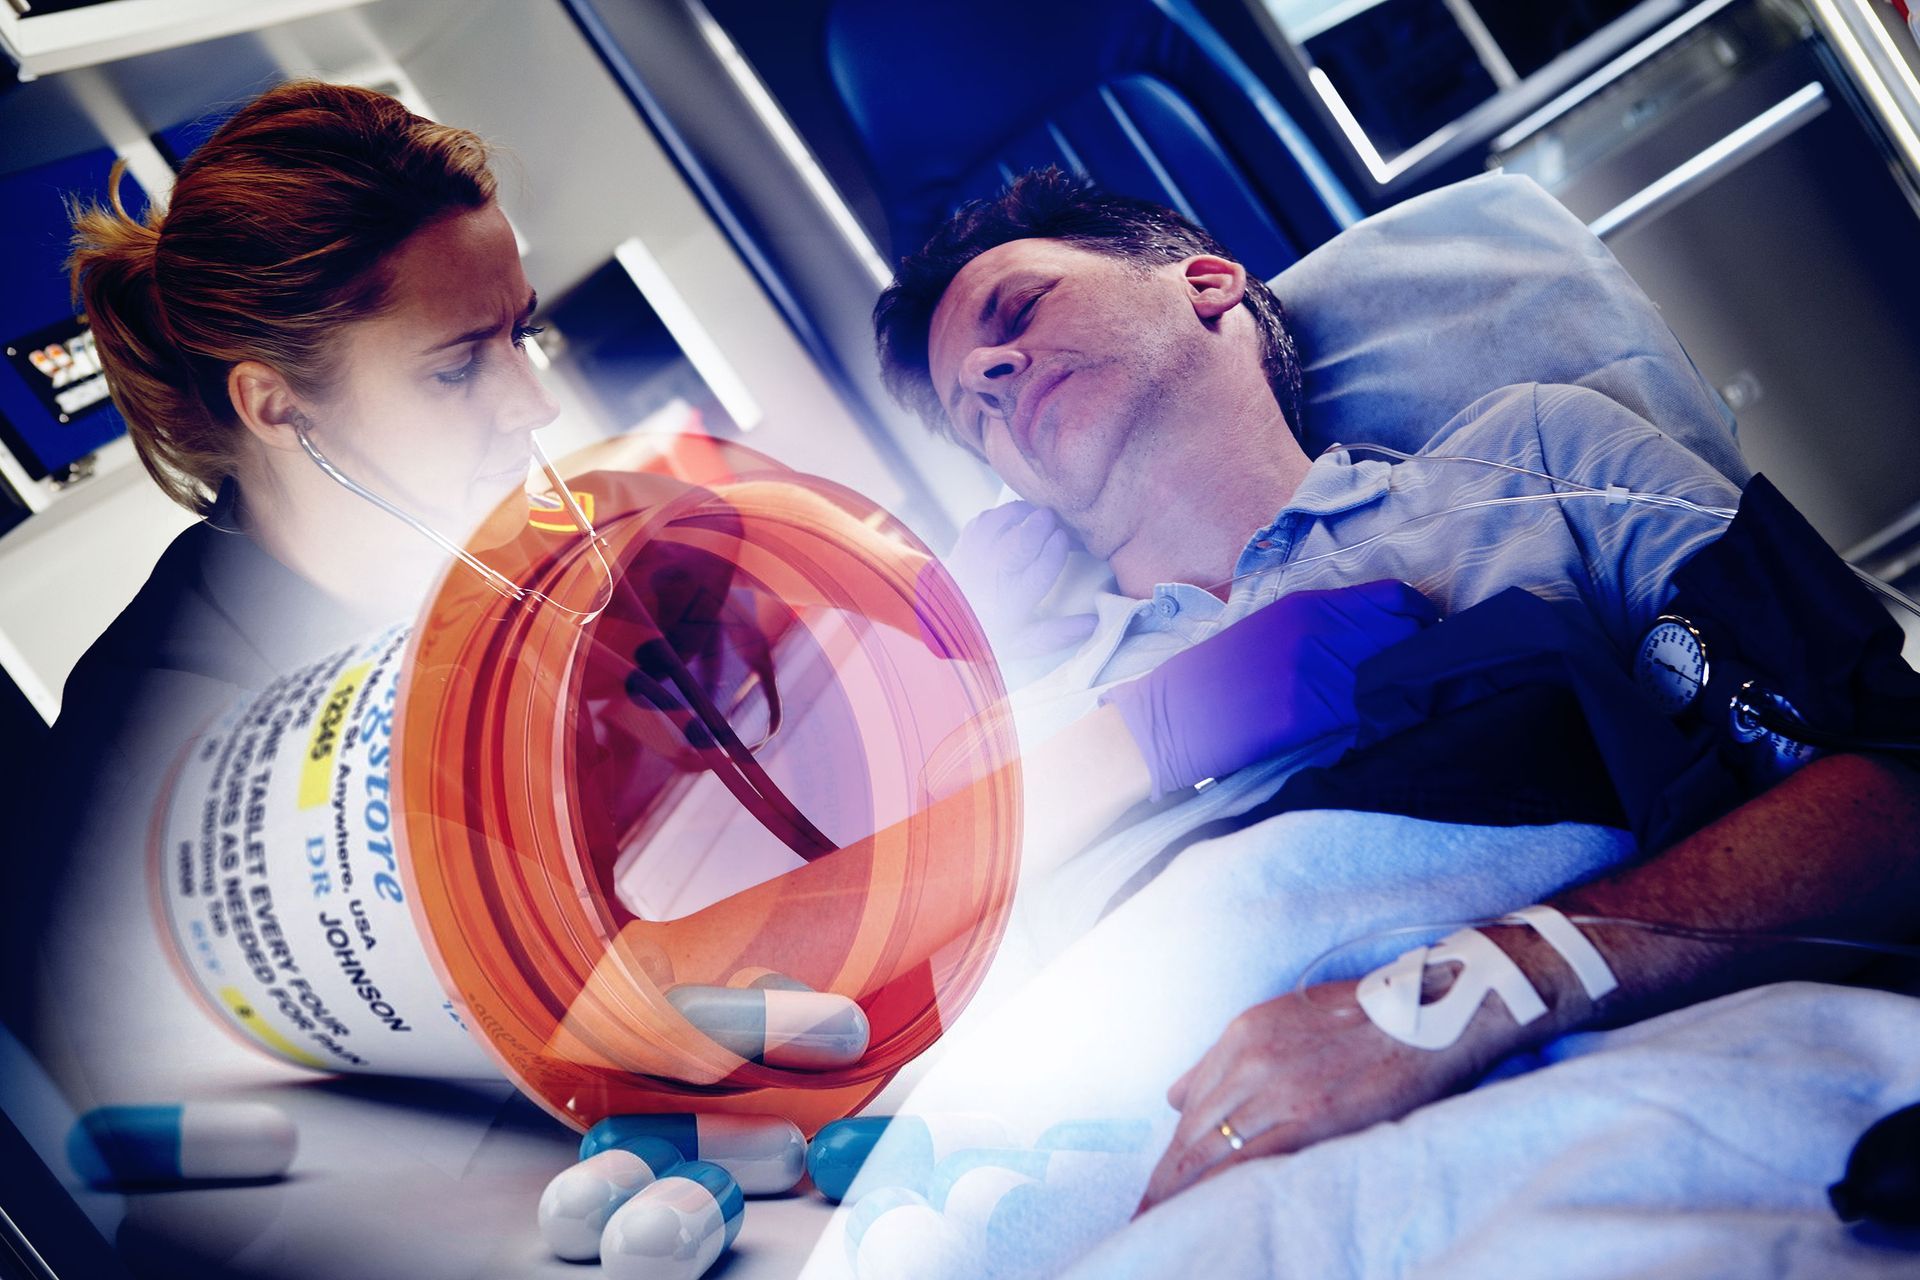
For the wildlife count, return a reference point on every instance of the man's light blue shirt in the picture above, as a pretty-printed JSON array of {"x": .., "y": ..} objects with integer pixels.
[{"x": 1457, "y": 529}]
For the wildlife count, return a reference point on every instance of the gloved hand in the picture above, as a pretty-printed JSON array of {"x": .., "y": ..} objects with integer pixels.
[
  {"x": 1005, "y": 563},
  {"x": 1274, "y": 681}
]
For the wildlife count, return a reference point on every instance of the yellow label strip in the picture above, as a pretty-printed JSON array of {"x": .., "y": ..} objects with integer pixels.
[{"x": 264, "y": 1031}]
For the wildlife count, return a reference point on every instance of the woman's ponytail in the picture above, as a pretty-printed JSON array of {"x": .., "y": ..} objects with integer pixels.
[{"x": 115, "y": 283}]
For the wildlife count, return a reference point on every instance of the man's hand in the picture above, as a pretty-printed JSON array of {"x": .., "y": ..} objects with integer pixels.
[
  {"x": 1006, "y": 561},
  {"x": 1303, "y": 1068}
]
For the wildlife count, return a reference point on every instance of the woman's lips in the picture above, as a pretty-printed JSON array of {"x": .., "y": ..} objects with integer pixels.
[{"x": 517, "y": 475}]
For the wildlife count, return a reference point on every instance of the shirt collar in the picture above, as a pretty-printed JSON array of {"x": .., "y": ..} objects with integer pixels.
[{"x": 1334, "y": 484}]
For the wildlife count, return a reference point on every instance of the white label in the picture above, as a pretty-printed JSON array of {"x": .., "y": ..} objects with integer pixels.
[{"x": 280, "y": 878}]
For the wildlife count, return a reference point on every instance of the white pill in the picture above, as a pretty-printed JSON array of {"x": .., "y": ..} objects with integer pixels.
[
  {"x": 675, "y": 1228},
  {"x": 795, "y": 1030},
  {"x": 576, "y": 1205},
  {"x": 869, "y": 1210},
  {"x": 912, "y": 1242},
  {"x": 975, "y": 1194},
  {"x": 182, "y": 1142},
  {"x": 765, "y": 1154}
]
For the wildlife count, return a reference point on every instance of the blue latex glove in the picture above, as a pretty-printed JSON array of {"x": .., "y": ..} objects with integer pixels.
[
  {"x": 1275, "y": 681},
  {"x": 1006, "y": 561}
]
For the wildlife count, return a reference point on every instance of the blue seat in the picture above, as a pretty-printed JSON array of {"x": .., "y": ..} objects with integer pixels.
[{"x": 952, "y": 98}]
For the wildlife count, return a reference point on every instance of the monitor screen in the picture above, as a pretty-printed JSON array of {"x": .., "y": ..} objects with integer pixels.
[{"x": 53, "y": 399}]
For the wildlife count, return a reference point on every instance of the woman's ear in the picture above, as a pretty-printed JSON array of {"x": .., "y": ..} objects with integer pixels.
[
  {"x": 1215, "y": 285},
  {"x": 265, "y": 403}
]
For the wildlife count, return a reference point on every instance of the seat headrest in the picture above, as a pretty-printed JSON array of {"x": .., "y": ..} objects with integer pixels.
[
  {"x": 954, "y": 97},
  {"x": 1415, "y": 313}
]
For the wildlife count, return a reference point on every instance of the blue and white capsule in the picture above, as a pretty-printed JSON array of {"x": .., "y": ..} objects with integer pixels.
[
  {"x": 766, "y": 979},
  {"x": 674, "y": 1228},
  {"x": 869, "y": 1208},
  {"x": 184, "y": 1142},
  {"x": 1120, "y": 1136},
  {"x": 576, "y": 1205},
  {"x": 1037, "y": 1217},
  {"x": 1004, "y": 1169},
  {"x": 794, "y": 1030},
  {"x": 902, "y": 1237},
  {"x": 901, "y": 1150},
  {"x": 766, "y": 1155}
]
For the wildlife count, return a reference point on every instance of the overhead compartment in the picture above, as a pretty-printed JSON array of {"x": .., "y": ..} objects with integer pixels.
[{"x": 46, "y": 36}]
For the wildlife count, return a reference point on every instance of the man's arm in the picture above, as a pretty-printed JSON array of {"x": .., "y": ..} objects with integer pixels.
[{"x": 1834, "y": 850}]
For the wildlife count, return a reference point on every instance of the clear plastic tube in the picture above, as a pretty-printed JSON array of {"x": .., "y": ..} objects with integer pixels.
[
  {"x": 1572, "y": 490},
  {"x": 1307, "y": 979}
]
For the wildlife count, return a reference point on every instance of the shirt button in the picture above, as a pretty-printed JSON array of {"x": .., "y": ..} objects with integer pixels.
[{"x": 1168, "y": 606}]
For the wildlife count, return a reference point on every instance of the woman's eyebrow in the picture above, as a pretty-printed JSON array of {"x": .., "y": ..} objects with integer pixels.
[{"x": 486, "y": 331}]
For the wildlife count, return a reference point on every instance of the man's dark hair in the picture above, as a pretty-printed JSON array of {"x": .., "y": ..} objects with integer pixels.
[{"x": 1050, "y": 205}]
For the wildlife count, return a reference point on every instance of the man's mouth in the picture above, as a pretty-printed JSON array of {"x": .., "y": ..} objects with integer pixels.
[{"x": 1026, "y": 413}]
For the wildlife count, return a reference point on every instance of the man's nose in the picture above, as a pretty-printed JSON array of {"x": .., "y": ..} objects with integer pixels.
[{"x": 988, "y": 373}]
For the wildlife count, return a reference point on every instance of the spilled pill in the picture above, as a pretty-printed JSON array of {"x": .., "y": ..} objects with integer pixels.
[
  {"x": 912, "y": 1241},
  {"x": 869, "y": 1208},
  {"x": 182, "y": 1142},
  {"x": 902, "y": 1149},
  {"x": 766, "y": 1155},
  {"x": 674, "y": 1228},
  {"x": 1096, "y": 1135},
  {"x": 576, "y": 1205}
]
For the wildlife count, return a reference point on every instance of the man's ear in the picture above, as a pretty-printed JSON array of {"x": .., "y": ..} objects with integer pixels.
[
  {"x": 265, "y": 403},
  {"x": 1215, "y": 285}
]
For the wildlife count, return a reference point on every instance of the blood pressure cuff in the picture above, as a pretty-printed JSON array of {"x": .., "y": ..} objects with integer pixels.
[{"x": 1514, "y": 712}]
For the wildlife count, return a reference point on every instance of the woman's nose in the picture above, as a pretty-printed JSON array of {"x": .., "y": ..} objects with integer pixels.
[
  {"x": 526, "y": 404},
  {"x": 986, "y": 372}
]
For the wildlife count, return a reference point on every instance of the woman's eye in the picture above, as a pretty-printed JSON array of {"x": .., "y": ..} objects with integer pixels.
[
  {"x": 521, "y": 332},
  {"x": 454, "y": 377}
]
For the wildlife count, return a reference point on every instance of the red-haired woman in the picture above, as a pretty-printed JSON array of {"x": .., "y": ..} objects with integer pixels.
[{"x": 331, "y": 271}]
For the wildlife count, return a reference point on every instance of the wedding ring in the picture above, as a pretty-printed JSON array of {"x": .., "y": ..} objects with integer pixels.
[{"x": 1232, "y": 1135}]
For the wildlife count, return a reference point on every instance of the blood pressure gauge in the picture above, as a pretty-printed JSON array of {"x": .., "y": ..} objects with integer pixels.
[{"x": 1671, "y": 664}]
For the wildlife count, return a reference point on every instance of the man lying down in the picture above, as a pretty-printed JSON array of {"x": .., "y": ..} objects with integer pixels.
[{"x": 1125, "y": 377}]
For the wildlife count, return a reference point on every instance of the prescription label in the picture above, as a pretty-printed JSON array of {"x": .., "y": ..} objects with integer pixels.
[{"x": 279, "y": 877}]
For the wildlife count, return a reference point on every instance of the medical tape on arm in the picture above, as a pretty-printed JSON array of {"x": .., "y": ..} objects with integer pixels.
[
  {"x": 1390, "y": 995},
  {"x": 1581, "y": 955}
]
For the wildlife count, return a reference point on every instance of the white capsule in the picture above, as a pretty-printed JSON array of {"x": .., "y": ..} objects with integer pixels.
[
  {"x": 184, "y": 1142},
  {"x": 794, "y": 1030},
  {"x": 576, "y": 1205},
  {"x": 975, "y": 1194},
  {"x": 766, "y": 1154},
  {"x": 912, "y": 1242},
  {"x": 871, "y": 1206},
  {"x": 675, "y": 1228}
]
